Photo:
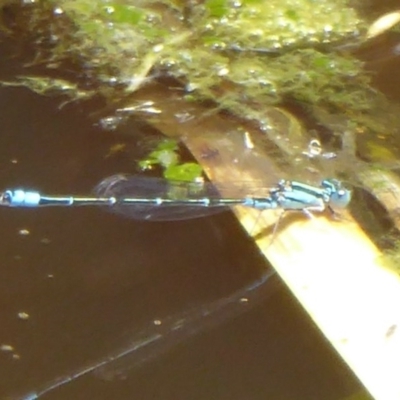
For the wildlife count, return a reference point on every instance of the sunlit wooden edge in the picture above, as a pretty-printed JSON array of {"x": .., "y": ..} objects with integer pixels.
[{"x": 336, "y": 273}]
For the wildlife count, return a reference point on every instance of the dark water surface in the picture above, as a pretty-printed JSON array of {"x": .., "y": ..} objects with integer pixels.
[{"x": 88, "y": 282}]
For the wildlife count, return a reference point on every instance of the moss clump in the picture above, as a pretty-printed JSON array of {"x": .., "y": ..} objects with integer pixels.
[
  {"x": 243, "y": 55},
  {"x": 204, "y": 45}
]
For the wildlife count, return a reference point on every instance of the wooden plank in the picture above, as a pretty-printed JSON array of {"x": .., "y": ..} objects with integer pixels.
[
  {"x": 336, "y": 273},
  {"x": 332, "y": 267}
]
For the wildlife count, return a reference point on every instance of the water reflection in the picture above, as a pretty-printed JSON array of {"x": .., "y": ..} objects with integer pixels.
[{"x": 163, "y": 334}]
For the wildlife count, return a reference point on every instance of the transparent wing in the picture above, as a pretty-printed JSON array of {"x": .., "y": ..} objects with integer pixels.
[{"x": 131, "y": 186}]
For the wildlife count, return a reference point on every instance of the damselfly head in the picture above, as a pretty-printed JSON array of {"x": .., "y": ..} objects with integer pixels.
[
  {"x": 338, "y": 195},
  {"x": 5, "y": 198}
]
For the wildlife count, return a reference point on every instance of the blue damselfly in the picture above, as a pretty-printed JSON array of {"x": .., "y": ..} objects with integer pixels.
[{"x": 162, "y": 200}]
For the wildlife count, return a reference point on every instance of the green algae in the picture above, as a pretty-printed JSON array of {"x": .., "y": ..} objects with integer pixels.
[
  {"x": 244, "y": 56},
  {"x": 122, "y": 43}
]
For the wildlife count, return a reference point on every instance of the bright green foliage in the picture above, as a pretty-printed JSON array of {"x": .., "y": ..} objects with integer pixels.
[
  {"x": 166, "y": 155},
  {"x": 183, "y": 172}
]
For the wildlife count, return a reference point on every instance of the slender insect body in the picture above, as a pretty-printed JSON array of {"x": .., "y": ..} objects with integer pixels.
[{"x": 160, "y": 200}]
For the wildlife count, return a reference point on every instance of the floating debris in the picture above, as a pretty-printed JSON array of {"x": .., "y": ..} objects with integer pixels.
[
  {"x": 23, "y": 315},
  {"x": 6, "y": 348},
  {"x": 383, "y": 24},
  {"x": 315, "y": 150}
]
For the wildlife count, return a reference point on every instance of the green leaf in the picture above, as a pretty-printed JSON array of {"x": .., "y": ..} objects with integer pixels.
[
  {"x": 165, "y": 155},
  {"x": 165, "y": 158},
  {"x": 168, "y": 144},
  {"x": 183, "y": 172}
]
